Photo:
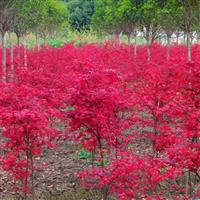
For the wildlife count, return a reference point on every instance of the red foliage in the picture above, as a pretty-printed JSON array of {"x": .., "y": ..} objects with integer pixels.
[{"x": 140, "y": 119}]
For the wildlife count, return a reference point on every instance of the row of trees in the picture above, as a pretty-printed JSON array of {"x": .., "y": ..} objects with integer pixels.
[
  {"x": 153, "y": 18},
  {"x": 24, "y": 16}
]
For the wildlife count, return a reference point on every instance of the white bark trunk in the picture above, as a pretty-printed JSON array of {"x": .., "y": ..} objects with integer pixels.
[
  {"x": 18, "y": 47},
  {"x": 11, "y": 57},
  {"x": 148, "y": 50},
  {"x": 168, "y": 48},
  {"x": 3, "y": 57},
  {"x": 25, "y": 51},
  {"x": 135, "y": 47},
  {"x": 189, "y": 54},
  {"x": 38, "y": 40}
]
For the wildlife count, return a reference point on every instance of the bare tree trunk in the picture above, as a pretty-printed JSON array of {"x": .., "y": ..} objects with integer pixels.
[
  {"x": 184, "y": 39},
  {"x": 198, "y": 37},
  {"x": 45, "y": 40},
  {"x": 117, "y": 38},
  {"x": 135, "y": 46},
  {"x": 18, "y": 46},
  {"x": 192, "y": 36},
  {"x": 105, "y": 193},
  {"x": 3, "y": 57},
  {"x": 25, "y": 51},
  {"x": 168, "y": 48},
  {"x": 177, "y": 38},
  {"x": 148, "y": 50},
  {"x": 189, "y": 56},
  {"x": 11, "y": 57},
  {"x": 129, "y": 45},
  {"x": 38, "y": 40}
]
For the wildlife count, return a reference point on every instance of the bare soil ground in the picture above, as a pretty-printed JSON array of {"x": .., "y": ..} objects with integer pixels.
[{"x": 57, "y": 180}]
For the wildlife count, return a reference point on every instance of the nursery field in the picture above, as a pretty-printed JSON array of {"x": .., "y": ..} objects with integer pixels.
[{"x": 100, "y": 122}]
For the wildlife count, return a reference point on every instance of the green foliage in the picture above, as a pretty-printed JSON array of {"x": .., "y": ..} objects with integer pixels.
[
  {"x": 84, "y": 154},
  {"x": 81, "y": 12},
  {"x": 106, "y": 16},
  {"x": 149, "y": 11},
  {"x": 88, "y": 157},
  {"x": 190, "y": 14},
  {"x": 30, "y": 15},
  {"x": 7, "y": 14},
  {"x": 56, "y": 17},
  {"x": 55, "y": 43},
  {"x": 129, "y": 14},
  {"x": 169, "y": 16}
]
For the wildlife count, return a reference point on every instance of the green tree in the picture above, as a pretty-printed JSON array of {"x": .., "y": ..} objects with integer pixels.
[
  {"x": 149, "y": 22},
  {"x": 129, "y": 16},
  {"x": 7, "y": 14},
  {"x": 81, "y": 12},
  {"x": 30, "y": 14},
  {"x": 190, "y": 20},
  {"x": 56, "y": 17},
  {"x": 169, "y": 16},
  {"x": 106, "y": 17}
]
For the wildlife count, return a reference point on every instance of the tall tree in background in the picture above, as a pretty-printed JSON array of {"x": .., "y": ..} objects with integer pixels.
[
  {"x": 169, "y": 16},
  {"x": 106, "y": 17},
  {"x": 190, "y": 19},
  {"x": 30, "y": 15},
  {"x": 56, "y": 16},
  {"x": 149, "y": 23},
  {"x": 129, "y": 18},
  {"x": 7, "y": 14},
  {"x": 81, "y": 12}
]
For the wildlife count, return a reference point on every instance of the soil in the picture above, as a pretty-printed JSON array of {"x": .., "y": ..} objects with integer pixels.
[{"x": 55, "y": 180}]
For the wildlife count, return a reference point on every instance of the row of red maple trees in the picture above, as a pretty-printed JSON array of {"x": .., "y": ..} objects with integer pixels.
[{"x": 139, "y": 119}]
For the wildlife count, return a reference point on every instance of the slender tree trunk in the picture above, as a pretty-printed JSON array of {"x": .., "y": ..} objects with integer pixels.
[
  {"x": 192, "y": 38},
  {"x": 38, "y": 40},
  {"x": 11, "y": 57},
  {"x": 45, "y": 40},
  {"x": 198, "y": 37},
  {"x": 129, "y": 45},
  {"x": 135, "y": 46},
  {"x": 116, "y": 38},
  {"x": 168, "y": 48},
  {"x": 105, "y": 193},
  {"x": 25, "y": 51},
  {"x": 3, "y": 57},
  {"x": 148, "y": 50},
  {"x": 177, "y": 38},
  {"x": 18, "y": 46},
  {"x": 189, "y": 56},
  {"x": 184, "y": 39}
]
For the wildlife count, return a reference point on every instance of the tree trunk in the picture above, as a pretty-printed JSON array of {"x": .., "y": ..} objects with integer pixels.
[
  {"x": 135, "y": 46},
  {"x": 45, "y": 40},
  {"x": 11, "y": 57},
  {"x": 25, "y": 51},
  {"x": 189, "y": 56},
  {"x": 177, "y": 38},
  {"x": 168, "y": 48},
  {"x": 105, "y": 193},
  {"x": 184, "y": 40},
  {"x": 38, "y": 40},
  {"x": 148, "y": 50},
  {"x": 129, "y": 45},
  {"x": 198, "y": 37},
  {"x": 18, "y": 46},
  {"x": 3, "y": 57},
  {"x": 192, "y": 38}
]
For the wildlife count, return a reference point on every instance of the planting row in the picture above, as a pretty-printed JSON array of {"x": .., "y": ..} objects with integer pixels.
[{"x": 138, "y": 119}]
